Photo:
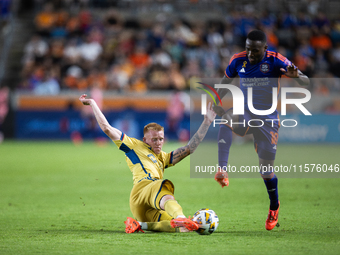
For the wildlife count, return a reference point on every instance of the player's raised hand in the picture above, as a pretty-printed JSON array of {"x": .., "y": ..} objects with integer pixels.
[
  {"x": 292, "y": 71},
  {"x": 222, "y": 178},
  {"x": 84, "y": 100},
  {"x": 210, "y": 116}
]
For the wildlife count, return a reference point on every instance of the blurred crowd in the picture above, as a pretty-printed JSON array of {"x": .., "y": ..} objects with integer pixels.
[
  {"x": 5, "y": 13},
  {"x": 80, "y": 48}
]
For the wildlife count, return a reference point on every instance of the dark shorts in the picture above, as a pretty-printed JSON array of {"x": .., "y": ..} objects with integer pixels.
[{"x": 265, "y": 133}]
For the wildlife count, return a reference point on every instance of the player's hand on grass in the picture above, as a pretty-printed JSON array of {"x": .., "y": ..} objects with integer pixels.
[
  {"x": 210, "y": 116},
  {"x": 84, "y": 100},
  {"x": 292, "y": 71},
  {"x": 222, "y": 178},
  {"x": 218, "y": 110}
]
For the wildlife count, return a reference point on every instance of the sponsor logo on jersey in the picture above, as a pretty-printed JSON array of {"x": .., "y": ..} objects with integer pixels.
[{"x": 264, "y": 68}]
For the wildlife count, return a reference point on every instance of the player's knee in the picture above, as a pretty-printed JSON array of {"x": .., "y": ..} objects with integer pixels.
[
  {"x": 266, "y": 168},
  {"x": 238, "y": 124},
  {"x": 164, "y": 199},
  {"x": 268, "y": 176},
  {"x": 266, "y": 157}
]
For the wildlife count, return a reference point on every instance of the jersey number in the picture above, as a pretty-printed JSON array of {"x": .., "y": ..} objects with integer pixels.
[{"x": 275, "y": 137}]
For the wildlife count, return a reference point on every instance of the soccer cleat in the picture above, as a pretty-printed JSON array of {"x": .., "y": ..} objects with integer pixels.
[
  {"x": 132, "y": 226},
  {"x": 272, "y": 218},
  {"x": 184, "y": 222},
  {"x": 222, "y": 178}
]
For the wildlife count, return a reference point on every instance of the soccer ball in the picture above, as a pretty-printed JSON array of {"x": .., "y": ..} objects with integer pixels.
[{"x": 207, "y": 221}]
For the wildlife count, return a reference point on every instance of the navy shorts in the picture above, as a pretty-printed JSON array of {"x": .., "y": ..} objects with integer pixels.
[{"x": 265, "y": 133}]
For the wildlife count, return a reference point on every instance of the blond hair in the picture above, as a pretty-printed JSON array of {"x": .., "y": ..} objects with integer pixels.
[{"x": 152, "y": 126}]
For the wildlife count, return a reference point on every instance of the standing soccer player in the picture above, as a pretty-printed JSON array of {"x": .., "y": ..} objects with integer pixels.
[
  {"x": 267, "y": 67},
  {"x": 152, "y": 200}
]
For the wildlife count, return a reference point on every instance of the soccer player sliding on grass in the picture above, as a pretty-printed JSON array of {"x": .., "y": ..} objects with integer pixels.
[
  {"x": 152, "y": 200},
  {"x": 266, "y": 67}
]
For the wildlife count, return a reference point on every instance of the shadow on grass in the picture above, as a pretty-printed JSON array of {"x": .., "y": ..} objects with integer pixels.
[
  {"x": 218, "y": 233},
  {"x": 259, "y": 232},
  {"x": 96, "y": 231}
]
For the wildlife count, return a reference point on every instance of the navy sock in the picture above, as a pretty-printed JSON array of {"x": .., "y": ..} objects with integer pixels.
[
  {"x": 224, "y": 139},
  {"x": 272, "y": 192}
]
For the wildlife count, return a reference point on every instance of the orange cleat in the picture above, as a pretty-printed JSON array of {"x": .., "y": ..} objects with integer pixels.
[
  {"x": 222, "y": 178},
  {"x": 184, "y": 222},
  {"x": 132, "y": 226},
  {"x": 272, "y": 218}
]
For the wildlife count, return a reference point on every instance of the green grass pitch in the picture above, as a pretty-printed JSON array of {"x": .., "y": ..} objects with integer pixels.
[{"x": 58, "y": 198}]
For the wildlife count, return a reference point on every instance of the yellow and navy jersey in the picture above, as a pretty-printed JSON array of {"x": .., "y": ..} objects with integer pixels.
[{"x": 143, "y": 162}]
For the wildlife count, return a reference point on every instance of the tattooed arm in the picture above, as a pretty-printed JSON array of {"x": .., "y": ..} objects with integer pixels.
[{"x": 188, "y": 149}]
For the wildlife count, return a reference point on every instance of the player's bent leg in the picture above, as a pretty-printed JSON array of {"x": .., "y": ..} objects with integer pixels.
[
  {"x": 153, "y": 201},
  {"x": 224, "y": 141},
  {"x": 155, "y": 220},
  {"x": 146, "y": 195},
  {"x": 239, "y": 124},
  {"x": 158, "y": 221},
  {"x": 164, "y": 199},
  {"x": 150, "y": 219},
  {"x": 133, "y": 226},
  {"x": 170, "y": 205}
]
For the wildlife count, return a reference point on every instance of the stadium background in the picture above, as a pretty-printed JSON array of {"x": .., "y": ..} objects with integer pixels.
[{"x": 138, "y": 57}]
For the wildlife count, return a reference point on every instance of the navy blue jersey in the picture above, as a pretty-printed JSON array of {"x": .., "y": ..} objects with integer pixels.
[{"x": 262, "y": 77}]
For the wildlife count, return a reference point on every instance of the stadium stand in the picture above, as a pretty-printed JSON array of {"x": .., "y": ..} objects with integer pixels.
[
  {"x": 80, "y": 44},
  {"x": 131, "y": 49}
]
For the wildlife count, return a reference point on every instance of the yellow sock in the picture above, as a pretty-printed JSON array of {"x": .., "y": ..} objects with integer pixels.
[
  {"x": 162, "y": 226},
  {"x": 173, "y": 208}
]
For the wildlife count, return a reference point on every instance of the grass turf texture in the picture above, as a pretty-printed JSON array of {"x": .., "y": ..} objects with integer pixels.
[{"x": 58, "y": 198}]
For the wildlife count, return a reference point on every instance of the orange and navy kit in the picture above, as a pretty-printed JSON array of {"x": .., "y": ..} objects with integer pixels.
[{"x": 261, "y": 77}]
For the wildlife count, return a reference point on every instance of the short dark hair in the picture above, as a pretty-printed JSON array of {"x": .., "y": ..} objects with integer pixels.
[{"x": 257, "y": 35}]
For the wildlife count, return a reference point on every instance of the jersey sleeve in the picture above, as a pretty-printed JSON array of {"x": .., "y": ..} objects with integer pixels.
[
  {"x": 166, "y": 158},
  {"x": 282, "y": 62},
  {"x": 125, "y": 142},
  {"x": 230, "y": 71}
]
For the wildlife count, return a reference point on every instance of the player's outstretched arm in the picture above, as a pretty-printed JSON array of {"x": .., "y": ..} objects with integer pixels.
[
  {"x": 293, "y": 72},
  {"x": 184, "y": 151},
  {"x": 110, "y": 131}
]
